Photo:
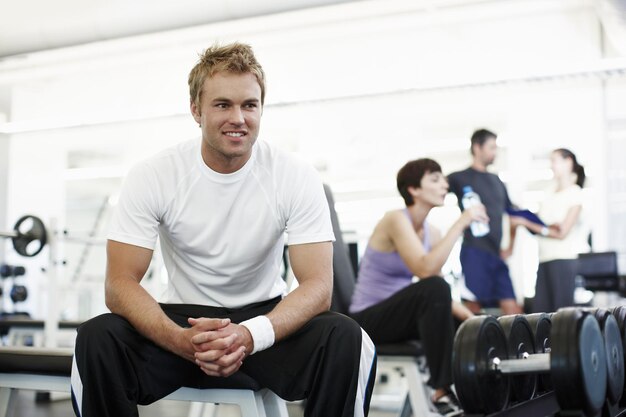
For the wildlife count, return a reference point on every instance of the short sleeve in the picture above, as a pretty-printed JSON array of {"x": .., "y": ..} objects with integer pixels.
[
  {"x": 135, "y": 218},
  {"x": 308, "y": 218},
  {"x": 508, "y": 205}
]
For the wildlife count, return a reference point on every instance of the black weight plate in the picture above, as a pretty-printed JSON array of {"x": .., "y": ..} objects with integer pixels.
[
  {"x": 480, "y": 389},
  {"x": 619, "y": 313},
  {"x": 31, "y": 236},
  {"x": 578, "y": 361},
  {"x": 614, "y": 352},
  {"x": 520, "y": 340},
  {"x": 541, "y": 325},
  {"x": 614, "y": 359},
  {"x": 600, "y": 314}
]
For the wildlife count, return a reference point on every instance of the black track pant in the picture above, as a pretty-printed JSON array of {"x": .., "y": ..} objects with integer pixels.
[
  {"x": 330, "y": 361},
  {"x": 423, "y": 311}
]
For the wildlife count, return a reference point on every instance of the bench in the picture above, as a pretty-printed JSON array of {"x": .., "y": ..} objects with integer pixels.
[{"x": 49, "y": 369}]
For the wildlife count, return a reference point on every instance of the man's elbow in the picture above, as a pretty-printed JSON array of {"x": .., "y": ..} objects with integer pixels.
[
  {"x": 108, "y": 301},
  {"x": 110, "y": 297},
  {"x": 325, "y": 305},
  {"x": 326, "y": 299}
]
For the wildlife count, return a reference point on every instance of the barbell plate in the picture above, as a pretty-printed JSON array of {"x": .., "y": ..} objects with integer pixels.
[
  {"x": 480, "y": 390},
  {"x": 520, "y": 340},
  {"x": 578, "y": 361},
  {"x": 614, "y": 359},
  {"x": 619, "y": 313},
  {"x": 30, "y": 237},
  {"x": 614, "y": 353},
  {"x": 541, "y": 325}
]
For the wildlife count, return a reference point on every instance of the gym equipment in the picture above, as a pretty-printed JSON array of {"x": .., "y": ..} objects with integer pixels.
[
  {"x": 29, "y": 235},
  {"x": 521, "y": 343},
  {"x": 614, "y": 352},
  {"x": 19, "y": 293},
  {"x": 8, "y": 271},
  {"x": 576, "y": 363},
  {"x": 619, "y": 313},
  {"x": 599, "y": 270},
  {"x": 478, "y": 342},
  {"x": 541, "y": 325}
]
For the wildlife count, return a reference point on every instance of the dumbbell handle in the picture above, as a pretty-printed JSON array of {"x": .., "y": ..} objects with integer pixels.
[{"x": 536, "y": 362}]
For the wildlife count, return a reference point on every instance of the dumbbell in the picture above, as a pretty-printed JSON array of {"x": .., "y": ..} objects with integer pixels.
[
  {"x": 482, "y": 367},
  {"x": 619, "y": 313},
  {"x": 614, "y": 353},
  {"x": 28, "y": 235},
  {"x": 520, "y": 344},
  {"x": 7, "y": 271},
  {"x": 541, "y": 325},
  {"x": 18, "y": 293}
]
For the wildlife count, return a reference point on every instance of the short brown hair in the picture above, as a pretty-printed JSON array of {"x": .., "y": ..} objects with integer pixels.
[
  {"x": 236, "y": 57},
  {"x": 411, "y": 174}
]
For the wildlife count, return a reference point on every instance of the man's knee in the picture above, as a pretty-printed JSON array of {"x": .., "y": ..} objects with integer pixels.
[
  {"x": 343, "y": 331},
  {"x": 100, "y": 330},
  {"x": 341, "y": 324}
]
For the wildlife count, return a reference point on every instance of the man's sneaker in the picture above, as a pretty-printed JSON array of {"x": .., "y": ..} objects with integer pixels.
[{"x": 448, "y": 405}]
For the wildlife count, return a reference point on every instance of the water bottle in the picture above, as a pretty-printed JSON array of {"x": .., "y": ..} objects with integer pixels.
[{"x": 470, "y": 198}]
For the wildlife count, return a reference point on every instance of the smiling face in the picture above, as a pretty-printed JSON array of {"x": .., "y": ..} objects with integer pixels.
[{"x": 229, "y": 114}]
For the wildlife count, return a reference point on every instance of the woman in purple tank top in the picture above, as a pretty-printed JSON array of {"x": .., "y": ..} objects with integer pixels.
[{"x": 387, "y": 303}]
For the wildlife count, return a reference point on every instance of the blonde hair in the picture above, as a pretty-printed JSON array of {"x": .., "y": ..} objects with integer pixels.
[{"x": 236, "y": 57}]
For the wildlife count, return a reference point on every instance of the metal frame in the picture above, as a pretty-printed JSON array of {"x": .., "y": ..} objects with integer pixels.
[
  {"x": 417, "y": 399},
  {"x": 262, "y": 403}
]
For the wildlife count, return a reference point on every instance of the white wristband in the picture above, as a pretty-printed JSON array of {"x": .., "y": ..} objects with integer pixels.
[
  {"x": 262, "y": 332},
  {"x": 545, "y": 231}
]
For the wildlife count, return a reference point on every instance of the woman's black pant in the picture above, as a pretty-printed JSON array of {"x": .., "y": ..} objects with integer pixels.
[
  {"x": 330, "y": 361},
  {"x": 423, "y": 311}
]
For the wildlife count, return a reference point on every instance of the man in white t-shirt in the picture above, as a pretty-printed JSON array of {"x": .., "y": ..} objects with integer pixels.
[{"x": 221, "y": 206}]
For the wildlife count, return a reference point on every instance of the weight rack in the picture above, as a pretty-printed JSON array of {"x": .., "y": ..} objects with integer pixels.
[{"x": 547, "y": 405}]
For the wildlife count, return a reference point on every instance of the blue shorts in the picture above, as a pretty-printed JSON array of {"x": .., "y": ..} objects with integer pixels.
[{"x": 486, "y": 276}]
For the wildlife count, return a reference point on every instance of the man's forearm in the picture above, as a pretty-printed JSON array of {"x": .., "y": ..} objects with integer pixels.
[
  {"x": 298, "y": 307},
  {"x": 127, "y": 298}
]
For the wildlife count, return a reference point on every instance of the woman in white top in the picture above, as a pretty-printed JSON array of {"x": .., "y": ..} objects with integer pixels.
[{"x": 564, "y": 238}]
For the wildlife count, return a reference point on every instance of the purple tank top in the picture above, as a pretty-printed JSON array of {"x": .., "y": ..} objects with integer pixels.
[{"x": 382, "y": 274}]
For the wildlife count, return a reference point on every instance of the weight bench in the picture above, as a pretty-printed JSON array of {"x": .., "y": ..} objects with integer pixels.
[
  {"x": 48, "y": 369},
  {"x": 24, "y": 331}
]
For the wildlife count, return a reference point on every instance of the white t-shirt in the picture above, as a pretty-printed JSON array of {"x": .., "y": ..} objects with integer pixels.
[
  {"x": 554, "y": 210},
  {"x": 222, "y": 235}
]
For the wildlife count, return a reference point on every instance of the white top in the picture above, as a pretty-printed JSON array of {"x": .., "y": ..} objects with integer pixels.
[
  {"x": 222, "y": 235},
  {"x": 554, "y": 210}
]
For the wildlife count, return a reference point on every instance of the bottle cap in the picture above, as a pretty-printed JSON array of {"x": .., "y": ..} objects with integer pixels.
[{"x": 467, "y": 189}]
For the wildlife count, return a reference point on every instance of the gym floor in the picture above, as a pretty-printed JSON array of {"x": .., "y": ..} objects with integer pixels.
[{"x": 25, "y": 406}]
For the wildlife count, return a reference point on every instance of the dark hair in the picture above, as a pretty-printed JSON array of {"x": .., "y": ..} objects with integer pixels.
[
  {"x": 577, "y": 169},
  {"x": 480, "y": 137},
  {"x": 411, "y": 174}
]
